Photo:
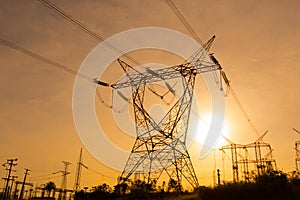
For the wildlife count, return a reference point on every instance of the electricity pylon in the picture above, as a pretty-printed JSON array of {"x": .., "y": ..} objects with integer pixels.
[
  {"x": 64, "y": 172},
  {"x": 297, "y": 148},
  {"x": 161, "y": 146},
  {"x": 78, "y": 172}
]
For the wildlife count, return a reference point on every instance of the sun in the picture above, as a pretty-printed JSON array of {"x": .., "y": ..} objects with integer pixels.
[{"x": 203, "y": 127}]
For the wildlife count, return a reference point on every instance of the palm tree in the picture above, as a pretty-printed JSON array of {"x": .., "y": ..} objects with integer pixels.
[{"x": 49, "y": 187}]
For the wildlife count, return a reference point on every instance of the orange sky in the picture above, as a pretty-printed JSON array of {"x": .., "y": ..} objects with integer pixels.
[{"x": 257, "y": 44}]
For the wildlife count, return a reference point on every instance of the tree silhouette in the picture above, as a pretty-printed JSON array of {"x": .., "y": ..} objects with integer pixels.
[
  {"x": 49, "y": 187},
  {"x": 174, "y": 186}
]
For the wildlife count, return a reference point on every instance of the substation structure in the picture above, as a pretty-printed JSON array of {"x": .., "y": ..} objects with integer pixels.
[{"x": 250, "y": 159}]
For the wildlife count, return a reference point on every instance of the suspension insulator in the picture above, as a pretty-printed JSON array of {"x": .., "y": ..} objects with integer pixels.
[
  {"x": 100, "y": 82},
  {"x": 227, "y": 82}
]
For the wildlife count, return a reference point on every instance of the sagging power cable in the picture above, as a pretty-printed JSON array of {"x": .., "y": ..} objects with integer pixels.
[
  {"x": 89, "y": 31},
  {"x": 190, "y": 29},
  {"x": 42, "y": 58}
]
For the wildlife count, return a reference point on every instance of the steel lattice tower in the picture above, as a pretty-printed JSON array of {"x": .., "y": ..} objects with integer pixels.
[{"x": 161, "y": 146}]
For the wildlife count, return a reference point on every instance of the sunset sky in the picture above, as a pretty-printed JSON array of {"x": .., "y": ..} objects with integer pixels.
[{"x": 257, "y": 44}]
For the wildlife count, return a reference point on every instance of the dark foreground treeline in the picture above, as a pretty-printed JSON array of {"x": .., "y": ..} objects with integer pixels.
[{"x": 272, "y": 185}]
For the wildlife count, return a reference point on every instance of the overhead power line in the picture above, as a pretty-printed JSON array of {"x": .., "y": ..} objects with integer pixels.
[
  {"x": 50, "y": 177},
  {"x": 98, "y": 37},
  {"x": 89, "y": 32},
  {"x": 238, "y": 102},
  {"x": 69, "y": 18},
  {"x": 84, "y": 28},
  {"x": 296, "y": 130},
  {"x": 94, "y": 171},
  {"x": 42, "y": 58},
  {"x": 184, "y": 21},
  {"x": 243, "y": 111},
  {"x": 190, "y": 29},
  {"x": 40, "y": 176}
]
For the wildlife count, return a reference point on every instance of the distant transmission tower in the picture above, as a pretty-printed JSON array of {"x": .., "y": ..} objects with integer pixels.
[
  {"x": 297, "y": 148},
  {"x": 78, "y": 172},
  {"x": 161, "y": 146},
  {"x": 64, "y": 179}
]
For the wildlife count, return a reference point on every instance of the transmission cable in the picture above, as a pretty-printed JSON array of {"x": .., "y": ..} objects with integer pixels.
[
  {"x": 94, "y": 171},
  {"x": 84, "y": 28},
  {"x": 243, "y": 110},
  {"x": 43, "y": 59},
  {"x": 91, "y": 33},
  {"x": 183, "y": 20},
  {"x": 57, "y": 66},
  {"x": 39, "y": 176}
]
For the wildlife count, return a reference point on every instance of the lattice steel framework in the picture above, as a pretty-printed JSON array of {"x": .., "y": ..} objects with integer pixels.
[
  {"x": 297, "y": 159},
  {"x": 297, "y": 148},
  {"x": 256, "y": 156},
  {"x": 161, "y": 146}
]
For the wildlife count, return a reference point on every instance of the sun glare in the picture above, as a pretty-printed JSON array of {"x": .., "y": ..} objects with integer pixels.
[{"x": 203, "y": 127}]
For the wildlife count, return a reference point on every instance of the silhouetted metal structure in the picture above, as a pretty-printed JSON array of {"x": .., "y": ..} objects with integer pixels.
[
  {"x": 161, "y": 146},
  {"x": 234, "y": 158},
  {"x": 78, "y": 172},
  {"x": 64, "y": 172},
  {"x": 17, "y": 183},
  {"x": 297, "y": 159},
  {"x": 297, "y": 149},
  {"x": 23, "y": 183},
  {"x": 255, "y": 157},
  {"x": 9, "y": 167}
]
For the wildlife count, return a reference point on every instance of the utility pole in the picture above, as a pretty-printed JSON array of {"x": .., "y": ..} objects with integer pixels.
[
  {"x": 16, "y": 190},
  {"x": 11, "y": 186},
  {"x": 11, "y": 163},
  {"x": 23, "y": 184}
]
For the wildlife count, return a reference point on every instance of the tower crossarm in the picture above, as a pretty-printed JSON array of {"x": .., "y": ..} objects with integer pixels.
[
  {"x": 260, "y": 144},
  {"x": 173, "y": 72}
]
